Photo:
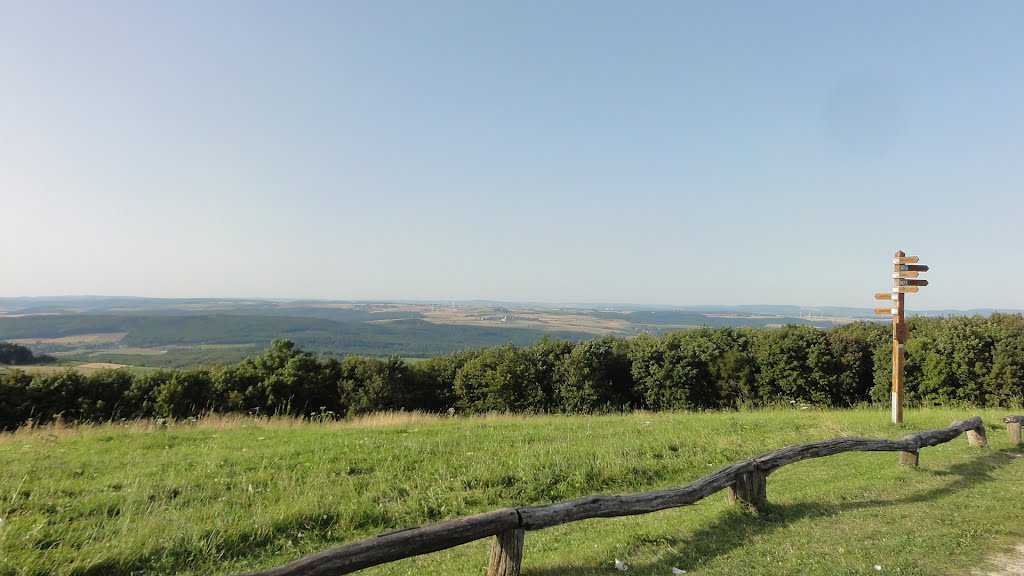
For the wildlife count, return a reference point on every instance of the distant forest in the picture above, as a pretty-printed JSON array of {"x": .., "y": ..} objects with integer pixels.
[
  {"x": 18, "y": 354},
  {"x": 958, "y": 360}
]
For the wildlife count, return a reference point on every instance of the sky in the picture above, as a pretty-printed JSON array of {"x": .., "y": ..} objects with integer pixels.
[{"x": 678, "y": 153}]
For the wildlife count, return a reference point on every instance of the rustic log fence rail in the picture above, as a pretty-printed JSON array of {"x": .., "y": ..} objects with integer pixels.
[{"x": 745, "y": 480}]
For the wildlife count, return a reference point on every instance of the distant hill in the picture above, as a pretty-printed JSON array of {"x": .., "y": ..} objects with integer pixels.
[
  {"x": 187, "y": 331},
  {"x": 403, "y": 337}
]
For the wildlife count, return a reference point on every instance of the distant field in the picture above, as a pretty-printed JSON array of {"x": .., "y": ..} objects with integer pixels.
[
  {"x": 779, "y": 320},
  {"x": 128, "y": 351},
  {"x": 90, "y": 367},
  {"x": 235, "y": 494},
  {"x": 169, "y": 357},
  {"x": 660, "y": 320},
  {"x": 99, "y": 338},
  {"x": 37, "y": 369},
  {"x": 524, "y": 317},
  {"x": 84, "y": 367}
]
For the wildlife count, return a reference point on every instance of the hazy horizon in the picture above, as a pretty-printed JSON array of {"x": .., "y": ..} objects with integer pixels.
[
  {"x": 706, "y": 307},
  {"x": 653, "y": 154}
]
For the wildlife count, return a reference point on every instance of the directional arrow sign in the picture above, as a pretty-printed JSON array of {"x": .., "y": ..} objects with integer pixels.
[
  {"x": 913, "y": 267},
  {"x": 885, "y": 310},
  {"x": 905, "y": 274},
  {"x": 883, "y": 296},
  {"x": 906, "y": 289},
  {"x": 913, "y": 282},
  {"x": 905, "y": 260}
]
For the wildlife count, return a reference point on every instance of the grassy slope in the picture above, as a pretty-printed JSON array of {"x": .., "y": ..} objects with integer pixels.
[{"x": 219, "y": 498}]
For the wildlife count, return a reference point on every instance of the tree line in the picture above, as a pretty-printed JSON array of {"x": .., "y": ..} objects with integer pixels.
[{"x": 956, "y": 360}]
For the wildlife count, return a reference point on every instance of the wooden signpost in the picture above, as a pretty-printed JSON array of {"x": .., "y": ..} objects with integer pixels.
[{"x": 905, "y": 270}]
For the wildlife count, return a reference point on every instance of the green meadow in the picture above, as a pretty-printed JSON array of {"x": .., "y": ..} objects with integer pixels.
[{"x": 231, "y": 494}]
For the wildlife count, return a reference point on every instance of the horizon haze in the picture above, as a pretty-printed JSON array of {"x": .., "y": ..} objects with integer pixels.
[{"x": 27, "y": 305}]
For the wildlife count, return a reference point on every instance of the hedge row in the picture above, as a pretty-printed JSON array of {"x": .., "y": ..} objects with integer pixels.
[{"x": 975, "y": 360}]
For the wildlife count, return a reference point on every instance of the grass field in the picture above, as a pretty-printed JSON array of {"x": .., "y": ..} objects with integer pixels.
[{"x": 232, "y": 494}]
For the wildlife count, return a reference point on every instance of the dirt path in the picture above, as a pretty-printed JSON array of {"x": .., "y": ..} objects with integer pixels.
[{"x": 1009, "y": 563}]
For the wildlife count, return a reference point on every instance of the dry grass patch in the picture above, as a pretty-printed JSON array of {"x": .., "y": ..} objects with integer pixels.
[
  {"x": 86, "y": 368},
  {"x": 90, "y": 367},
  {"x": 382, "y": 420}
]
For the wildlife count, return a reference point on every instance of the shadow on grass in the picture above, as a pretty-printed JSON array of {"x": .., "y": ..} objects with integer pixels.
[{"x": 737, "y": 527}]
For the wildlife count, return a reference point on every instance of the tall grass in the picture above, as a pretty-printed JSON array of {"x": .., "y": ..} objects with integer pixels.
[{"x": 225, "y": 494}]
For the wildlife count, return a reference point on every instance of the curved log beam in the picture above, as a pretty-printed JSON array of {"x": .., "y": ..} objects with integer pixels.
[
  {"x": 772, "y": 461},
  {"x": 397, "y": 545},
  {"x": 415, "y": 541}
]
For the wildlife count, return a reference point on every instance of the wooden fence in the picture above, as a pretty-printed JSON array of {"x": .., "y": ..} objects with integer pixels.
[{"x": 745, "y": 481}]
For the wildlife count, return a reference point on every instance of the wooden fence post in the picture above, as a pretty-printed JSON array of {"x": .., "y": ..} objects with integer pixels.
[
  {"x": 977, "y": 437},
  {"x": 506, "y": 553},
  {"x": 1013, "y": 429},
  {"x": 750, "y": 488},
  {"x": 908, "y": 458}
]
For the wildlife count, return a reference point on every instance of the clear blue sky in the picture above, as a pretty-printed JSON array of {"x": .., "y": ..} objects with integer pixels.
[{"x": 648, "y": 152}]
